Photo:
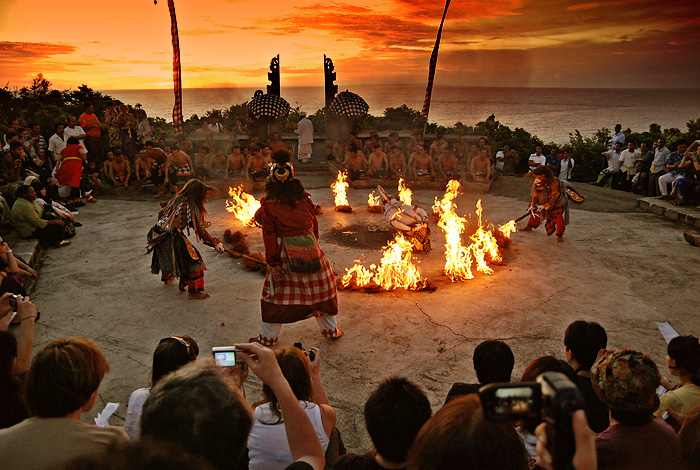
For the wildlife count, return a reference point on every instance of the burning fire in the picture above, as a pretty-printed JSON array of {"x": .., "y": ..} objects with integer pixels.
[
  {"x": 242, "y": 205},
  {"x": 405, "y": 193},
  {"x": 396, "y": 270},
  {"x": 374, "y": 200},
  {"x": 340, "y": 189},
  {"x": 482, "y": 248}
]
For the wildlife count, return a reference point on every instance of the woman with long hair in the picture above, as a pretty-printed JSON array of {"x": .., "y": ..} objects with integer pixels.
[
  {"x": 173, "y": 254},
  {"x": 300, "y": 282}
]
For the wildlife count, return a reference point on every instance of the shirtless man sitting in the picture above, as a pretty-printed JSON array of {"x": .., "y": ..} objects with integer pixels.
[
  {"x": 480, "y": 168},
  {"x": 355, "y": 162},
  {"x": 448, "y": 165},
  {"x": 235, "y": 163},
  {"x": 107, "y": 166},
  {"x": 377, "y": 162},
  {"x": 218, "y": 165},
  {"x": 202, "y": 160},
  {"x": 121, "y": 170},
  {"x": 257, "y": 167},
  {"x": 178, "y": 169},
  {"x": 397, "y": 163},
  {"x": 143, "y": 164},
  {"x": 421, "y": 163}
]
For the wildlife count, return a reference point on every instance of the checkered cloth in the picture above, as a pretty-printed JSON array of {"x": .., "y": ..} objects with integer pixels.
[
  {"x": 300, "y": 288},
  {"x": 268, "y": 106},
  {"x": 348, "y": 104},
  {"x": 433, "y": 65},
  {"x": 177, "y": 71}
]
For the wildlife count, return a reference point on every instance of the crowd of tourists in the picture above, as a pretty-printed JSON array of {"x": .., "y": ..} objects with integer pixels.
[
  {"x": 653, "y": 170},
  {"x": 195, "y": 414}
]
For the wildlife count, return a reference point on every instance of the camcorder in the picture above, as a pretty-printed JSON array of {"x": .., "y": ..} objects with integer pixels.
[
  {"x": 552, "y": 398},
  {"x": 310, "y": 353}
]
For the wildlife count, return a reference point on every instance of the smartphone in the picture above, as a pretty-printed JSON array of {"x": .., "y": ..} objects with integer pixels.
[{"x": 224, "y": 356}]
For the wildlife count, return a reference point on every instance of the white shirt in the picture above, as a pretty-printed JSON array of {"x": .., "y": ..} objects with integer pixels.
[
  {"x": 628, "y": 159},
  {"x": 500, "y": 159},
  {"x": 534, "y": 158},
  {"x": 132, "y": 422},
  {"x": 567, "y": 166},
  {"x": 214, "y": 127},
  {"x": 268, "y": 448},
  {"x": 305, "y": 129},
  {"x": 660, "y": 157},
  {"x": 618, "y": 138},
  {"x": 56, "y": 146},
  {"x": 75, "y": 132},
  {"x": 613, "y": 160}
]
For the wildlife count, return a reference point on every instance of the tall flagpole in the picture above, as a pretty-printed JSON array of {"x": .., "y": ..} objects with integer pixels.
[
  {"x": 177, "y": 69},
  {"x": 433, "y": 66}
]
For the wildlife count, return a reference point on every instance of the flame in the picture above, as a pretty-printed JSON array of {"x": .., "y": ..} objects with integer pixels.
[
  {"x": 340, "y": 189},
  {"x": 242, "y": 205},
  {"x": 483, "y": 246},
  {"x": 374, "y": 199},
  {"x": 405, "y": 193},
  {"x": 396, "y": 269}
]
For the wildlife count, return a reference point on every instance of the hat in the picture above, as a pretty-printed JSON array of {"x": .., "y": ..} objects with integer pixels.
[
  {"x": 626, "y": 380},
  {"x": 29, "y": 180}
]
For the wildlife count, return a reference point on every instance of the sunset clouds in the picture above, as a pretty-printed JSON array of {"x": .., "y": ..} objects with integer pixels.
[{"x": 126, "y": 44}]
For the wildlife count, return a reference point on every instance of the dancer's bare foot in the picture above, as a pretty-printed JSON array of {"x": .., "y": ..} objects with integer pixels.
[{"x": 198, "y": 295}]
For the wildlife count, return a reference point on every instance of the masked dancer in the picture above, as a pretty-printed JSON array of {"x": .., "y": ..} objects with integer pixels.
[
  {"x": 300, "y": 282},
  {"x": 174, "y": 256},
  {"x": 548, "y": 203}
]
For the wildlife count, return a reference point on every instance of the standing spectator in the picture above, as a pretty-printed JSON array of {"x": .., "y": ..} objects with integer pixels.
[
  {"x": 628, "y": 163},
  {"x": 582, "y": 342},
  {"x": 28, "y": 222},
  {"x": 74, "y": 130},
  {"x": 500, "y": 161},
  {"x": 15, "y": 356},
  {"x": 658, "y": 165},
  {"x": 57, "y": 143},
  {"x": 305, "y": 130},
  {"x": 170, "y": 354},
  {"x": 38, "y": 140},
  {"x": 672, "y": 170},
  {"x": 201, "y": 409},
  {"x": 537, "y": 159},
  {"x": 144, "y": 129},
  {"x": 61, "y": 385},
  {"x": 493, "y": 362},
  {"x": 566, "y": 165},
  {"x": 267, "y": 443},
  {"x": 14, "y": 163},
  {"x": 459, "y": 437},
  {"x": 627, "y": 381},
  {"x": 619, "y": 136},
  {"x": 512, "y": 160},
  {"x": 394, "y": 414},
  {"x": 93, "y": 131},
  {"x": 684, "y": 363},
  {"x": 610, "y": 174}
]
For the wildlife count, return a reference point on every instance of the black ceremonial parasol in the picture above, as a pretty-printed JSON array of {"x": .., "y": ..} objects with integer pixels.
[
  {"x": 267, "y": 106},
  {"x": 349, "y": 105}
]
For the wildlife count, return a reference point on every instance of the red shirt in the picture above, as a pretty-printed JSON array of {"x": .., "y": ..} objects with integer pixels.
[{"x": 91, "y": 125}]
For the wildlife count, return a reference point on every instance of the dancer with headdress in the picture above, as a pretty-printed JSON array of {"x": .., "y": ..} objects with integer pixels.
[
  {"x": 300, "y": 282},
  {"x": 174, "y": 256}
]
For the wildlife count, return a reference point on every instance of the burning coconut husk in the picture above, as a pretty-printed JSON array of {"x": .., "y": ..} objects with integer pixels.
[
  {"x": 235, "y": 245},
  {"x": 405, "y": 193},
  {"x": 375, "y": 204},
  {"x": 396, "y": 270},
  {"x": 340, "y": 192},
  {"x": 242, "y": 205},
  {"x": 481, "y": 249}
]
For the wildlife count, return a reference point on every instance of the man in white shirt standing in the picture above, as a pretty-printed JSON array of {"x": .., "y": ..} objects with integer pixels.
[
  {"x": 658, "y": 165},
  {"x": 567, "y": 165},
  {"x": 74, "y": 130},
  {"x": 611, "y": 172},
  {"x": 619, "y": 136},
  {"x": 537, "y": 159},
  {"x": 305, "y": 130},
  {"x": 628, "y": 161},
  {"x": 57, "y": 143}
]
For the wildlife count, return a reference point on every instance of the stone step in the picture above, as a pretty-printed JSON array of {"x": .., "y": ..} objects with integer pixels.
[{"x": 687, "y": 215}]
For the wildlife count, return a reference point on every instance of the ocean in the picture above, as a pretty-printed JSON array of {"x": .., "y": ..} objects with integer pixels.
[{"x": 550, "y": 113}]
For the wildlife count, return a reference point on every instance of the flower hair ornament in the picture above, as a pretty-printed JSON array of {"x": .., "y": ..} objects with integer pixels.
[{"x": 282, "y": 172}]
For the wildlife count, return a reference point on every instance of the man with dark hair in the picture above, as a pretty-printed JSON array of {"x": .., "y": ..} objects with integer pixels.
[
  {"x": 28, "y": 222},
  {"x": 394, "y": 414},
  {"x": 201, "y": 409},
  {"x": 582, "y": 341},
  {"x": 627, "y": 381},
  {"x": 141, "y": 455},
  {"x": 61, "y": 385},
  {"x": 493, "y": 363}
]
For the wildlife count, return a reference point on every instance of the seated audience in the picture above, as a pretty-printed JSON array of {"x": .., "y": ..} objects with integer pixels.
[
  {"x": 235, "y": 163},
  {"x": 377, "y": 165},
  {"x": 28, "y": 221},
  {"x": 61, "y": 385},
  {"x": 447, "y": 165},
  {"x": 627, "y": 381},
  {"x": 142, "y": 455},
  {"x": 355, "y": 162},
  {"x": 170, "y": 354},
  {"x": 684, "y": 363},
  {"x": 200, "y": 408},
  {"x": 13, "y": 271},
  {"x": 15, "y": 357},
  {"x": 493, "y": 362},
  {"x": 582, "y": 341},
  {"x": 673, "y": 171},
  {"x": 394, "y": 413},
  {"x": 480, "y": 168},
  {"x": 267, "y": 443},
  {"x": 458, "y": 437},
  {"x": 610, "y": 175},
  {"x": 421, "y": 165},
  {"x": 120, "y": 170}
]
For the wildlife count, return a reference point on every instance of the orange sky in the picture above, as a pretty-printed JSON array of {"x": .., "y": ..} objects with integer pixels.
[{"x": 119, "y": 44}]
